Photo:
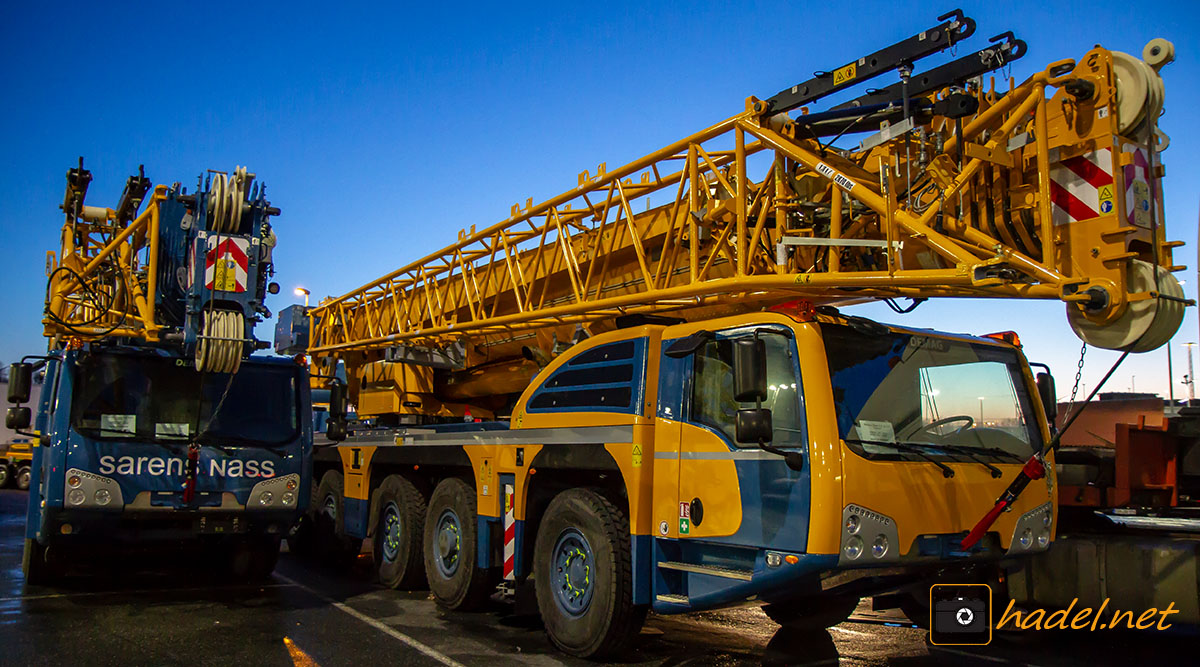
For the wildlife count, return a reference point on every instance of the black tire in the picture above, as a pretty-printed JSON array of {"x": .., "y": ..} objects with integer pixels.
[
  {"x": 38, "y": 568},
  {"x": 600, "y": 619},
  {"x": 398, "y": 538},
  {"x": 332, "y": 543},
  {"x": 450, "y": 544},
  {"x": 5, "y": 475},
  {"x": 254, "y": 559},
  {"x": 916, "y": 609},
  {"x": 301, "y": 539},
  {"x": 811, "y": 613},
  {"x": 23, "y": 475}
]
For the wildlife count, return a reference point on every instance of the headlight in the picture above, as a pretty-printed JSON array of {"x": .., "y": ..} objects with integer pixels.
[
  {"x": 87, "y": 489},
  {"x": 854, "y": 547},
  {"x": 1032, "y": 531},
  {"x": 858, "y": 522},
  {"x": 880, "y": 546},
  {"x": 274, "y": 493}
]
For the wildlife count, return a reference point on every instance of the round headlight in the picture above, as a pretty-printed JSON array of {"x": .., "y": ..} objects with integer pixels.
[
  {"x": 1026, "y": 538},
  {"x": 880, "y": 546},
  {"x": 288, "y": 498},
  {"x": 854, "y": 547},
  {"x": 852, "y": 523},
  {"x": 73, "y": 481},
  {"x": 76, "y": 497},
  {"x": 265, "y": 498},
  {"x": 103, "y": 497},
  {"x": 1043, "y": 539}
]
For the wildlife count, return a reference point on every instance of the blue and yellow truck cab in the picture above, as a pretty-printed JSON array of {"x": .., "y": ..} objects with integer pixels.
[{"x": 798, "y": 460}]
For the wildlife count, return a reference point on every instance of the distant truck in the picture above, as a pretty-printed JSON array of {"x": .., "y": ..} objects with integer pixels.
[{"x": 15, "y": 459}]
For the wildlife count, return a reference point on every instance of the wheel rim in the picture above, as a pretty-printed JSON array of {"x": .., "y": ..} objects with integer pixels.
[
  {"x": 329, "y": 507},
  {"x": 447, "y": 544},
  {"x": 3, "y": 475},
  {"x": 23, "y": 478},
  {"x": 572, "y": 569},
  {"x": 392, "y": 528}
]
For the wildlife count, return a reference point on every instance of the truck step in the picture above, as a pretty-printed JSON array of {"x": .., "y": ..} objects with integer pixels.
[
  {"x": 673, "y": 599},
  {"x": 711, "y": 570}
]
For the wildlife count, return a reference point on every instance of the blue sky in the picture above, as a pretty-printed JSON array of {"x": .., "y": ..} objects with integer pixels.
[{"x": 382, "y": 131}]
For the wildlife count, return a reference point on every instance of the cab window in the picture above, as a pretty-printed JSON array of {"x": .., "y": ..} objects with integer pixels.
[{"x": 712, "y": 401}]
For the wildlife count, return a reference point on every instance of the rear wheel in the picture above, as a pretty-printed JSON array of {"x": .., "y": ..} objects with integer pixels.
[
  {"x": 399, "y": 533},
  {"x": 584, "y": 575},
  {"x": 35, "y": 563},
  {"x": 450, "y": 543},
  {"x": 811, "y": 613},
  {"x": 23, "y": 478},
  {"x": 332, "y": 543}
]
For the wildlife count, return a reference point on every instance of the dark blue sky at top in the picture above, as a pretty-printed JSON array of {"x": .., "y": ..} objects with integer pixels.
[{"x": 381, "y": 131}]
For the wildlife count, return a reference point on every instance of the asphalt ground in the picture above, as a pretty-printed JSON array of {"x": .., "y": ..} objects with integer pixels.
[{"x": 177, "y": 611}]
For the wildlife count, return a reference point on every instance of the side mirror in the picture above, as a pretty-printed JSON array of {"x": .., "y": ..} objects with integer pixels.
[
  {"x": 1045, "y": 385},
  {"x": 20, "y": 378},
  {"x": 17, "y": 418},
  {"x": 749, "y": 370},
  {"x": 335, "y": 430},
  {"x": 337, "y": 401},
  {"x": 754, "y": 425}
]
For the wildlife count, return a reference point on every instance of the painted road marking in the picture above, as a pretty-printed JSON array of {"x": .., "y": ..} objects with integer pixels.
[
  {"x": 378, "y": 625},
  {"x": 142, "y": 591}
]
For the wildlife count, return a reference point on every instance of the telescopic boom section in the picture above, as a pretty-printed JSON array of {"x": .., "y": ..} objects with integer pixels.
[{"x": 1048, "y": 189}]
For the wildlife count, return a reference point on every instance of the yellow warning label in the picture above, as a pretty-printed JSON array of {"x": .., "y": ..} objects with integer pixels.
[
  {"x": 1106, "y": 199},
  {"x": 637, "y": 456},
  {"x": 508, "y": 498},
  {"x": 843, "y": 75},
  {"x": 225, "y": 276},
  {"x": 485, "y": 474}
]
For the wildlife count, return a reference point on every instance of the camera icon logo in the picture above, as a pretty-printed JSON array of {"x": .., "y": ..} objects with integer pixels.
[{"x": 960, "y": 614}]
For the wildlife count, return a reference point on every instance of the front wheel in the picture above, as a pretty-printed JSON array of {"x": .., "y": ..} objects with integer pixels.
[
  {"x": 332, "y": 543},
  {"x": 5, "y": 475},
  {"x": 35, "y": 563},
  {"x": 23, "y": 478},
  {"x": 455, "y": 580},
  {"x": 811, "y": 614},
  {"x": 583, "y": 575}
]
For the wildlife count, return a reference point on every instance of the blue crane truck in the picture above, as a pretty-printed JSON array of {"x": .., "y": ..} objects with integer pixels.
[{"x": 157, "y": 426}]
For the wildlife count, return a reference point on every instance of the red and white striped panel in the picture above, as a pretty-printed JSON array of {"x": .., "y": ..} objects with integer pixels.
[
  {"x": 1078, "y": 187},
  {"x": 510, "y": 535},
  {"x": 226, "y": 264},
  {"x": 1138, "y": 204}
]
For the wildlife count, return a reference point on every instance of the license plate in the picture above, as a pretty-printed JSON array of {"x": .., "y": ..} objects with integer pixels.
[{"x": 220, "y": 525}]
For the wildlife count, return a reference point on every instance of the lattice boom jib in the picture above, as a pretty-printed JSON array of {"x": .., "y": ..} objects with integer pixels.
[{"x": 756, "y": 209}]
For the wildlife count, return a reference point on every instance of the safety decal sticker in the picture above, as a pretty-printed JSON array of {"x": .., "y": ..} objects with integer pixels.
[
  {"x": 1137, "y": 190},
  {"x": 226, "y": 264},
  {"x": 844, "y": 74},
  {"x": 832, "y": 174},
  {"x": 637, "y": 456},
  {"x": 663, "y": 527},
  {"x": 1078, "y": 186}
]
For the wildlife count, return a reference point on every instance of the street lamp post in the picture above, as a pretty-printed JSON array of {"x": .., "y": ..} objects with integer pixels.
[
  {"x": 981, "y": 411},
  {"x": 1191, "y": 382},
  {"x": 300, "y": 291}
]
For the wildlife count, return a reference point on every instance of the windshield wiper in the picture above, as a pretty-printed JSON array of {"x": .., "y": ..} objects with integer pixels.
[
  {"x": 914, "y": 448},
  {"x": 995, "y": 451},
  {"x": 966, "y": 451}
]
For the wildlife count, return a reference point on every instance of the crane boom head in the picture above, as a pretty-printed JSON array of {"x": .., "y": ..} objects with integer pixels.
[{"x": 188, "y": 272}]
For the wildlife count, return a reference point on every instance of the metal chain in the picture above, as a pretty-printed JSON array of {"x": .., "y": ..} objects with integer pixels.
[{"x": 1078, "y": 377}]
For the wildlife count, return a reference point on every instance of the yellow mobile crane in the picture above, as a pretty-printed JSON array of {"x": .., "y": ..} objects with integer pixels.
[{"x": 680, "y": 417}]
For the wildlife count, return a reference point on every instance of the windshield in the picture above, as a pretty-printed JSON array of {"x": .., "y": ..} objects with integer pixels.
[
  {"x": 150, "y": 398},
  {"x": 915, "y": 388}
]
